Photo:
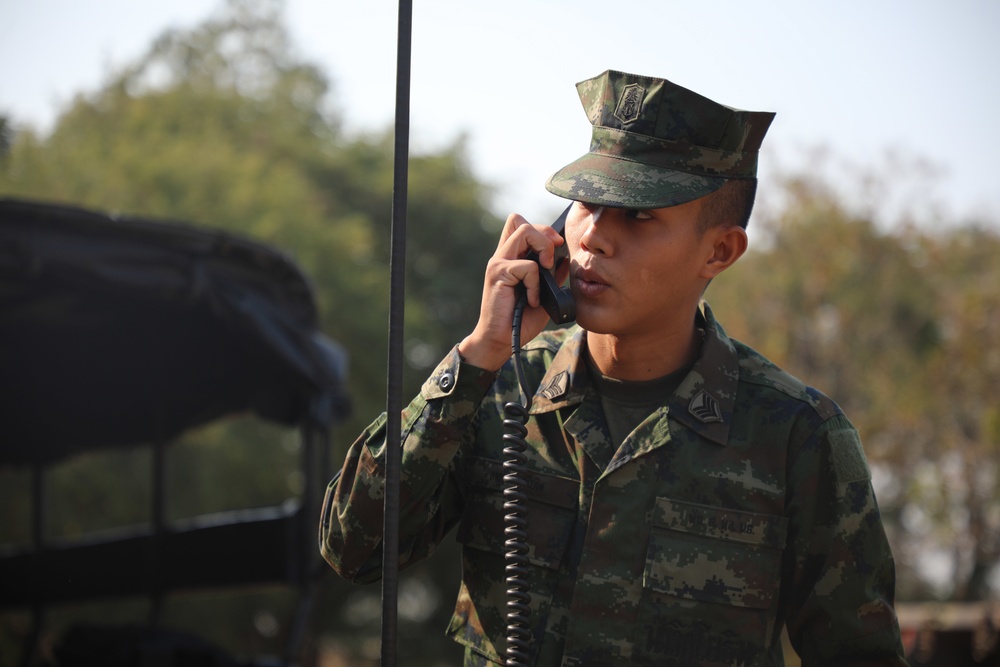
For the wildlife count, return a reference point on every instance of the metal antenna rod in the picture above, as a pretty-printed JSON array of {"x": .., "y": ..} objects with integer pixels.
[{"x": 394, "y": 403}]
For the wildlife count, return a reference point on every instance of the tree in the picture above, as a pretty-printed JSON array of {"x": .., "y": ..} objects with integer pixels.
[
  {"x": 956, "y": 505},
  {"x": 223, "y": 125},
  {"x": 6, "y": 136}
]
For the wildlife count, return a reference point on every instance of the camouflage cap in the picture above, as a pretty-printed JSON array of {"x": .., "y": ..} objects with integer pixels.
[{"x": 656, "y": 144}]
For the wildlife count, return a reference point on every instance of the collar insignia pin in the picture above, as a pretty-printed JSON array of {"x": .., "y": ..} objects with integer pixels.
[
  {"x": 705, "y": 408},
  {"x": 556, "y": 387}
]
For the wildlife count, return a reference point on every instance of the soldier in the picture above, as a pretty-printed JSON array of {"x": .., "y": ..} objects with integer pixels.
[{"x": 687, "y": 499}]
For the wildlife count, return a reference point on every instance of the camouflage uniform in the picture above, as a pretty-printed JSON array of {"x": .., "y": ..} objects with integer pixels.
[{"x": 742, "y": 504}]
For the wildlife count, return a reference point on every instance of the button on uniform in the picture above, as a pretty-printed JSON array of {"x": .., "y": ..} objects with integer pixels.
[{"x": 446, "y": 381}]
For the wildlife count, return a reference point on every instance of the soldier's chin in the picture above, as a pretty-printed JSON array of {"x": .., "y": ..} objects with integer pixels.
[{"x": 595, "y": 322}]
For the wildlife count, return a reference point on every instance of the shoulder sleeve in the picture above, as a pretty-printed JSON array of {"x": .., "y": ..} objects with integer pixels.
[
  {"x": 841, "y": 582},
  {"x": 435, "y": 425}
]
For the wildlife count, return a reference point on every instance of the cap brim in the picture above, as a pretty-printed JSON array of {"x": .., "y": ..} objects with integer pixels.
[{"x": 604, "y": 180}]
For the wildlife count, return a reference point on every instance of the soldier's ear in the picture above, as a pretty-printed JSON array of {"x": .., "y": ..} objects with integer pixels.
[{"x": 724, "y": 245}]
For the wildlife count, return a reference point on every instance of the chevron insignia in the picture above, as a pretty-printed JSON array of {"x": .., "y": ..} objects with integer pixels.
[
  {"x": 557, "y": 387},
  {"x": 705, "y": 408}
]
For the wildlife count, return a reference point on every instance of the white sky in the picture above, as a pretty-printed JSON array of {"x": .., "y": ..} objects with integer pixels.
[{"x": 861, "y": 78}]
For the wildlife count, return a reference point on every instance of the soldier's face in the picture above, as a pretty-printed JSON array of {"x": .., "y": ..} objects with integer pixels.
[{"x": 633, "y": 271}]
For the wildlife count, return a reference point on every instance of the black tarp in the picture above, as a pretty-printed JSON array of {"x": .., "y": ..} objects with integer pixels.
[{"x": 118, "y": 330}]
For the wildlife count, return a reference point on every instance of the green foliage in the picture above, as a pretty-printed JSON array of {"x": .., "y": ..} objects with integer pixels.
[{"x": 224, "y": 126}]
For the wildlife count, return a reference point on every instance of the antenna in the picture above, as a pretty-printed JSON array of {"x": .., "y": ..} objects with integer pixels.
[{"x": 394, "y": 383}]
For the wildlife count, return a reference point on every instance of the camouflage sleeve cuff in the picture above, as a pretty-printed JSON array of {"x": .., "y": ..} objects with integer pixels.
[{"x": 454, "y": 377}]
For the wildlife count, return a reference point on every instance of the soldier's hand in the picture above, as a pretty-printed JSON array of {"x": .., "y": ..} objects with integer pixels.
[{"x": 488, "y": 346}]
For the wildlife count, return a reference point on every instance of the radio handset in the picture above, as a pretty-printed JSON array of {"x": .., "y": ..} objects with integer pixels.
[
  {"x": 559, "y": 304},
  {"x": 557, "y": 301}
]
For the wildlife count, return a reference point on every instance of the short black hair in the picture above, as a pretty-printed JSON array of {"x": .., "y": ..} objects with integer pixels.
[{"x": 729, "y": 205}]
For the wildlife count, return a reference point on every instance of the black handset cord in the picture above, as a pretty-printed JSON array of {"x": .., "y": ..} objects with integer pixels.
[{"x": 515, "y": 505}]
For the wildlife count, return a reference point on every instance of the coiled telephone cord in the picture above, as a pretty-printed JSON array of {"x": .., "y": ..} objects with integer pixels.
[{"x": 515, "y": 507}]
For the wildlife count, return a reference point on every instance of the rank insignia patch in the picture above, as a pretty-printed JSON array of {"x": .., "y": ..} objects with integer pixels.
[
  {"x": 705, "y": 408},
  {"x": 555, "y": 388}
]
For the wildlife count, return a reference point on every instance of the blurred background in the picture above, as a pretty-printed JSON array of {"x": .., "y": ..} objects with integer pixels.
[{"x": 873, "y": 274}]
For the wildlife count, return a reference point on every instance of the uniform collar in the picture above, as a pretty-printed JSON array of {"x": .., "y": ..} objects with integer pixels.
[
  {"x": 566, "y": 381},
  {"x": 705, "y": 399},
  {"x": 703, "y": 402}
]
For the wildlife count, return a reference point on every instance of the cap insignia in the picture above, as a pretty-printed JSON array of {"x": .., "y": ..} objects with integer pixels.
[
  {"x": 630, "y": 103},
  {"x": 556, "y": 387},
  {"x": 705, "y": 408}
]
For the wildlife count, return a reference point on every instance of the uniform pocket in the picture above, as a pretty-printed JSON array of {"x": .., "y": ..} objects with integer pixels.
[
  {"x": 710, "y": 582},
  {"x": 550, "y": 508},
  {"x": 479, "y": 620}
]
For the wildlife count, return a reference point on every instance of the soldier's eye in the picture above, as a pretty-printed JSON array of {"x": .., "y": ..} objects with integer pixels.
[{"x": 637, "y": 214}]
